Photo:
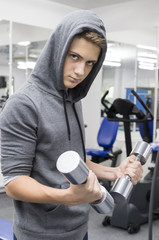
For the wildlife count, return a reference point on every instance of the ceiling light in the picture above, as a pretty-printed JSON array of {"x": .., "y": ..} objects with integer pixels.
[
  {"x": 146, "y": 64},
  {"x": 147, "y": 47},
  {"x": 146, "y": 54},
  {"x": 25, "y": 43},
  {"x": 146, "y": 67},
  {"x": 112, "y": 64},
  {"x": 26, "y": 65},
  {"x": 148, "y": 60}
]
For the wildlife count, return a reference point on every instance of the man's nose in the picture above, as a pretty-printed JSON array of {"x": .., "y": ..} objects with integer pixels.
[{"x": 80, "y": 69}]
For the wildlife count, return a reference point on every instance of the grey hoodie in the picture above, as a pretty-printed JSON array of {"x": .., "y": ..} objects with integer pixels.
[{"x": 40, "y": 122}]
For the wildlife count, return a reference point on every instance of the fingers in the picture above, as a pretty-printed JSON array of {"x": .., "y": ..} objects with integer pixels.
[
  {"x": 135, "y": 171},
  {"x": 87, "y": 192},
  {"x": 132, "y": 168},
  {"x": 126, "y": 162},
  {"x": 93, "y": 185}
]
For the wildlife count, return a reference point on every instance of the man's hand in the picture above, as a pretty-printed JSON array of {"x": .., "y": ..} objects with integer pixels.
[
  {"x": 84, "y": 193},
  {"x": 131, "y": 167}
]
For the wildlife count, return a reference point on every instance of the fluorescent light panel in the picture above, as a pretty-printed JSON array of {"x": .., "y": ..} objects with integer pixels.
[
  {"x": 26, "y": 65},
  {"x": 112, "y": 64},
  {"x": 146, "y": 54},
  {"x": 25, "y": 43},
  {"x": 147, "y": 47},
  {"x": 147, "y": 64},
  {"x": 146, "y": 67},
  {"x": 148, "y": 60}
]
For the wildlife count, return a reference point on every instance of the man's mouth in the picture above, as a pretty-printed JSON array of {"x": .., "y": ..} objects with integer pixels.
[{"x": 75, "y": 80}]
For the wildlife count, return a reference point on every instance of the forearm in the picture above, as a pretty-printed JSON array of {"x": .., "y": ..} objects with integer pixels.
[
  {"x": 103, "y": 172},
  {"x": 128, "y": 166},
  {"x": 25, "y": 188}
]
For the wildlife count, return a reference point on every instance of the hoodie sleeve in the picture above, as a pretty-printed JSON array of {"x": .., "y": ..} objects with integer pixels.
[{"x": 18, "y": 123}]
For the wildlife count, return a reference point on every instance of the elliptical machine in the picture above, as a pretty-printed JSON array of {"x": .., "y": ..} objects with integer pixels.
[{"x": 134, "y": 212}]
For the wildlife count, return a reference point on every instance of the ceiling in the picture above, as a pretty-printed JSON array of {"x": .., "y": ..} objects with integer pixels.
[
  {"x": 89, "y": 4},
  {"x": 128, "y": 53}
]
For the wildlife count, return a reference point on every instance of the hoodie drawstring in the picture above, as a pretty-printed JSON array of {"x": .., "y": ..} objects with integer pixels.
[
  {"x": 66, "y": 116},
  {"x": 79, "y": 125},
  {"x": 83, "y": 145}
]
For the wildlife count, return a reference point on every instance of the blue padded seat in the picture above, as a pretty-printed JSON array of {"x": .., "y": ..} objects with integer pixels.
[
  {"x": 106, "y": 137},
  {"x": 6, "y": 231},
  {"x": 155, "y": 146}
]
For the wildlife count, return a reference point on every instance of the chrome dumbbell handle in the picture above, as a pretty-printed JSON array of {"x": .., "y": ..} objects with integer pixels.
[
  {"x": 76, "y": 171},
  {"x": 121, "y": 189},
  {"x": 123, "y": 186},
  {"x": 105, "y": 204}
]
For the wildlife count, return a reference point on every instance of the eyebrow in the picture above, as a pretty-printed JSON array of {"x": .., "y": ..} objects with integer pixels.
[{"x": 75, "y": 53}]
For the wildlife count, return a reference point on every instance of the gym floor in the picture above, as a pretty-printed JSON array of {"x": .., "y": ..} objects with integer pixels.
[{"x": 96, "y": 229}]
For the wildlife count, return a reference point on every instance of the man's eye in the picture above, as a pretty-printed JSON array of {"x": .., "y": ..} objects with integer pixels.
[
  {"x": 74, "y": 57},
  {"x": 90, "y": 63}
]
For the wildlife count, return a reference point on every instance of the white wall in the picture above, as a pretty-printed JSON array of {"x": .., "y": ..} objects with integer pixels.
[
  {"x": 91, "y": 110},
  {"x": 139, "y": 36},
  {"x": 32, "y": 12},
  {"x": 132, "y": 22}
]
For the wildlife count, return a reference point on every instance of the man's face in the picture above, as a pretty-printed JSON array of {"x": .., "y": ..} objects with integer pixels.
[{"x": 80, "y": 59}]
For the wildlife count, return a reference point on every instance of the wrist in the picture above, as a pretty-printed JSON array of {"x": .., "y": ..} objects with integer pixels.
[{"x": 115, "y": 172}]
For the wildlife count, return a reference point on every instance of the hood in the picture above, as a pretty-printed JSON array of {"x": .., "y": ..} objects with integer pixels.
[{"x": 48, "y": 71}]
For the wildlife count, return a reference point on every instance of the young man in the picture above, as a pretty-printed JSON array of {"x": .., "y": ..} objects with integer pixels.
[{"x": 44, "y": 119}]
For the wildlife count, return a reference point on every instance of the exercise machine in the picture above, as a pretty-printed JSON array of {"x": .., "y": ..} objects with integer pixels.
[
  {"x": 106, "y": 137},
  {"x": 134, "y": 212}
]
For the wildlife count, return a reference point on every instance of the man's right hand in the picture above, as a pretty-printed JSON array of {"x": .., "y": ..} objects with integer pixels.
[{"x": 84, "y": 193}]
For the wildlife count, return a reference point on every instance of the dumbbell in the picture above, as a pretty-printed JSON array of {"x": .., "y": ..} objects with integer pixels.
[
  {"x": 74, "y": 169},
  {"x": 123, "y": 186}
]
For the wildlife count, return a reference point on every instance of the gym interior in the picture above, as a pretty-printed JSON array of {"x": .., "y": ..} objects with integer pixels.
[{"x": 125, "y": 94}]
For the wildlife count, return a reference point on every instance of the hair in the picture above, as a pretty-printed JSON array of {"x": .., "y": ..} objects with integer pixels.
[{"x": 93, "y": 37}]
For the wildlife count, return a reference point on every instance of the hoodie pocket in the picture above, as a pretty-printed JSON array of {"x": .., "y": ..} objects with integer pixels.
[{"x": 61, "y": 218}]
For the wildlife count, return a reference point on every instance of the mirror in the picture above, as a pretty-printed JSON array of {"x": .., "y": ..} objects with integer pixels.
[
  {"x": 4, "y": 61},
  {"x": 20, "y": 47},
  {"x": 131, "y": 67},
  {"x": 24, "y": 44},
  {"x": 122, "y": 69}
]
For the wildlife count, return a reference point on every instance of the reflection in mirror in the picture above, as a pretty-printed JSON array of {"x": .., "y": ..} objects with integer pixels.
[
  {"x": 146, "y": 70},
  {"x": 25, "y": 55},
  {"x": 4, "y": 70},
  {"x": 27, "y": 43},
  {"x": 118, "y": 70},
  {"x": 147, "y": 58},
  {"x": 4, "y": 61},
  {"x": 130, "y": 67}
]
